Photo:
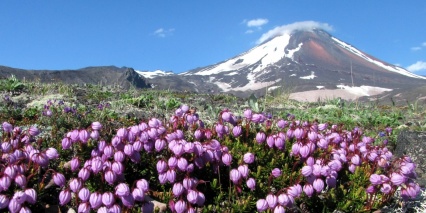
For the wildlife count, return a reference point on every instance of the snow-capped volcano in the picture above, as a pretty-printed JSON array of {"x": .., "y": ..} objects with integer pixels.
[{"x": 303, "y": 59}]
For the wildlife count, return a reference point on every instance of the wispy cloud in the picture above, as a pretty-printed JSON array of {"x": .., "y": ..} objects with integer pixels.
[
  {"x": 254, "y": 24},
  {"x": 418, "y": 66},
  {"x": 304, "y": 25},
  {"x": 257, "y": 22},
  {"x": 420, "y": 47},
  {"x": 161, "y": 32}
]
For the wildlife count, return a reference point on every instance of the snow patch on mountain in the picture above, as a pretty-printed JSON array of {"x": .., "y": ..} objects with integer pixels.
[
  {"x": 153, "y": 74},
  {"x": 264, "y": 54},
  {"x": 378, "y": 63},
  {"x": 291, "y": 52},
  {"x": 364, "y": 90},
  {"x": 311, "y": 76}
]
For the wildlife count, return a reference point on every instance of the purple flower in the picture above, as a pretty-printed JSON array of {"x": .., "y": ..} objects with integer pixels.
[
  {"x": 64, "y": 197},
  {"x": 84, "y": 194},
  {"x": 249, "y": 158},
  {"x": 192, "y": 196},
  {"x": 59, "y": 179},
  {"x": 108, "y": 199},
  {"x": 122, "y": 133},
  {"x": 279, "y": 209},
  {"x": 180, "y": 206},
  {"x": 159, "y": 144},
  {"x": 370, "y": 189},
  {"x": 122, "y": 189},
  {"x": 84, "y": 208},
  {"x": 138, "y": 194},
  {"x": 306, "y": 171},
  {"x": 295, "y": 190},
  {"x": 248, "y": 114},
  {"x": 14, "y": 206},
  {"x": 304, "y": 151},
  {"x": 83, "y": 135},
  {"x": 235, "y": 176},
  {"x": 172, "y": 162},
  {"x": 261, "y": 205},
  {"x": 298, "y": 133},
  {"x": 114, "y": 209},
  {"x": 397, "y": 179},
  {"x": 75, "y": 184},
  {"x": 84, "y": 174},
  {"x": 4, "y": 201},
  {"x": 386, "y": 188},
  {"x": 272, "y": 200},
  {"x": 75, "y": 164},
  {"x": 237, "y": 130},
  {"x": 33, "y": 131},
  {"x": 171, "y": 175},
  {"x": 260, "y": 137},
  {"x": 282, "y": 124},
  {"x": 276, "y": 172},
  {"x": 182, "y": 164},
  {"x": 356, "y": 160},
  {"x": 270, "y": 141},
  {"x": 201, "y": 199},
  {"x": 95, "y": 200},
  {"x": 119, "y": 156},
  {"x": 251, "y": 184},
  {"x": 178, "y": 189},
  {"x": 244, "y": 171},
  {"x": 21, "y": 180},
  {"x": 295, "y": 148},
  {"x": 375, "y": 179},
  {"x": 94, "y": 135},
  {"x": 128, "y": 200},
  {"x": 110, "y": 176},
  {"x": 279, "y": 142},
  {"x": 227, "y": 159},
  {"x": 117, "y": 167},
  {"x": 318, "y": 184},
  {"x": 161, "y": 166},
  {"x": 308, "y": 189},
  {"x": 189, "y": 183},
  {"x": 20, "y": 197},
  {"x": 128, "y": 149},
  {"x": 96, "y": 126},
  {"x": 322, "y": 127},
  {"x": 284, "y": 199},
  {"x": 7, "y": 127},
  {"x": 10, "y": 171}
]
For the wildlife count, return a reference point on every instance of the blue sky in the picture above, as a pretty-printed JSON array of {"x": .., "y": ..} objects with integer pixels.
[{"x": 182, "y": 35}]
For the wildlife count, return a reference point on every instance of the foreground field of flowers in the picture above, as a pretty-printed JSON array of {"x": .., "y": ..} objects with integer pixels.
[{"x": 92, "y": 160}]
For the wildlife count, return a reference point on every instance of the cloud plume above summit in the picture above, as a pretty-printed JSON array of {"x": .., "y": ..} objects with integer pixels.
[{"x": 304, "y": 25}]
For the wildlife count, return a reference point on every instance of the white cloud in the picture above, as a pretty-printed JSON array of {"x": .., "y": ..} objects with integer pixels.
[
  {"x": 161, "y": 32},
  {"x": 304, "y": 25},
  {"x": 419, "y": 65},
  {"x": 249, "y": 31},
  {"x": 415, "y": 48},
  {"x": 257, "y": 22}
]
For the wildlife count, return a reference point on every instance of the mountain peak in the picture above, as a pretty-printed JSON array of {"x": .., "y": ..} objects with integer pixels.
[{"x": 290, "y": 28}]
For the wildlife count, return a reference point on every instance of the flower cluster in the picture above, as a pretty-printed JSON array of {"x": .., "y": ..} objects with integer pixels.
[
  {"x": 20, "y": 161},
  {"x": 274, "y": 163},
  {"x": 107, "y": 160}
]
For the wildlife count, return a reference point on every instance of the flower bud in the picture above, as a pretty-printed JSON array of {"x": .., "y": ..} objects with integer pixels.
[{"x": 249, "y": 158}]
